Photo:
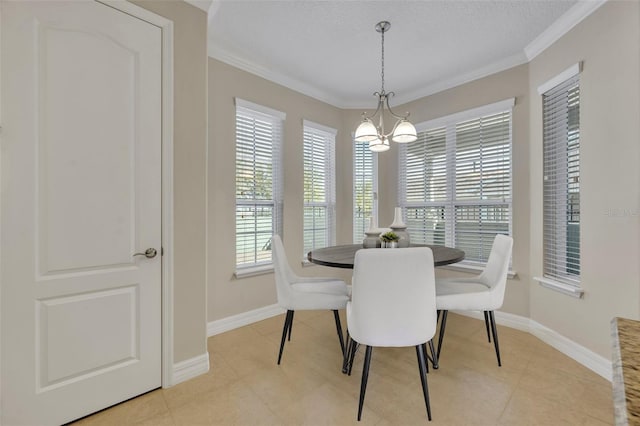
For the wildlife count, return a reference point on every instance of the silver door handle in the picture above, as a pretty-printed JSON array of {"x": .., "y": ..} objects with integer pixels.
[{"x": 149, "y": 253}]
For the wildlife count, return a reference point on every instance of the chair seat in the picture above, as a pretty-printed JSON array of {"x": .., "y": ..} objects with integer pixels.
[
  {"x": 330, "y": 294},
  {"x": 464, "y": 294}
]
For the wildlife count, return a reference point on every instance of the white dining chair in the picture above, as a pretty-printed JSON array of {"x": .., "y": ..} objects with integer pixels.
[
  {"x": 392, "y": 305},
  {"x": 305, "y": 293},
  {"x": 484, "y": 292}
]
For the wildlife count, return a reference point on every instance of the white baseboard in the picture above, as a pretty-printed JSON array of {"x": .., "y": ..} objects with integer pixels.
[
  {"x": 190, "y": 368},
  {"x": 594, "y": 362},
  {"x": 240, "y": 320}
]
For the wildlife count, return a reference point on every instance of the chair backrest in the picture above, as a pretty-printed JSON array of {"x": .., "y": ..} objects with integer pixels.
[
  {"x": 283, "y": 273},
  {"x": 495, "y": 273},
  {"x": 393, "y": 297}
]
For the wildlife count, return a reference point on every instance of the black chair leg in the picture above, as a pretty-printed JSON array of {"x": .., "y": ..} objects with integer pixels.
[
  {"x": 422, "y": 365},
  {"x": 486, "y": 324},
  {"x": 494, "y": 330},
  {"x": 347, "y": 353},
  {"x": 336, "y": 315},
  {"x": 434, "y": 356},
  {"x": 291, "y": 324},
  {"x": 354, "y": 348},
  {"x": 287, "y": 328},
  {"x": 365, "y": 377},
  {"x": 426, "y": 356},
  {"x": 443, "y": 324}
]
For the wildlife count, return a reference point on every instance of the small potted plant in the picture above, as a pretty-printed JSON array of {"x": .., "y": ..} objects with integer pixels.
[{"x": 389, "y": 239}]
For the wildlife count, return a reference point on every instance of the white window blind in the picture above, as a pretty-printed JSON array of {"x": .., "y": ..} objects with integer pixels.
[
  {"x": 319, "y": 186},
  {"x": 482, "y": 183},
  {"x": 365, "y": 189},
  {"x": 424, "y": 187},
  {"x": 561, "y": 185},
  {"x": 258, "y": 182},
  {"x": 455, "y": 182}
]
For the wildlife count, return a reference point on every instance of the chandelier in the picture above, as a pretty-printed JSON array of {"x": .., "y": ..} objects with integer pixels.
[{"x": 403, "y": 131}]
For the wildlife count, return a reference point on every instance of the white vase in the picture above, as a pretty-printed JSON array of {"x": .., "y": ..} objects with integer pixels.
[
  {"x": 372, "y": 239},
  {"x": 400, "y": 228}
]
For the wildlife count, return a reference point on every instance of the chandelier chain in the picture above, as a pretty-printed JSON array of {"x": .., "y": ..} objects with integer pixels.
[{"x": 382, "y": 73}]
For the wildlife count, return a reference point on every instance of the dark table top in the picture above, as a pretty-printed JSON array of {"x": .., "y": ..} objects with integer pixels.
[{"x": 342, "y": 256}]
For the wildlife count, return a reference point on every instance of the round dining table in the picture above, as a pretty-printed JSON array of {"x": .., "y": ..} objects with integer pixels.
[{"x": 343, "y": 256}]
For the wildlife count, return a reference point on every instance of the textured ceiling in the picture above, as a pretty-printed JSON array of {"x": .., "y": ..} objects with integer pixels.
[{"x": 331, "y": 51}]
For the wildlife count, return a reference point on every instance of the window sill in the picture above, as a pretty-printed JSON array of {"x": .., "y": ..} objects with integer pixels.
[
  {"x": 253, "y": 271},
  {"x": 471, "y": 267},
  {"x": 567, "y": 289}
]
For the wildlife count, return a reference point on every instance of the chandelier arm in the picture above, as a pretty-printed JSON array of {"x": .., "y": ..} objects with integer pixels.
[
  {"x": 378, "y": 109},
  {"x": 400, "y": 117}
]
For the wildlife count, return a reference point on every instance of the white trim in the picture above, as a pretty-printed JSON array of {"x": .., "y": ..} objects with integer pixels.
[
  {"x": 591, "y": 360},
  {"x": 190, "y": 368},
  {"x": 504, "y": 105},
  {"x": 321, "y": 127},
  {"x": 561, "y": 26},
  {"x": 253, "y": 271},
  {"x": 565, "y": 75},
  {"x": 322, "y": 95},
  {"x": 268, "y": 74},
  {"x": 260, "y": 108},
  {"x": 594, "y": 362},
  {"x": 240, "y": 320},
  {"x": 473, "y": 268},
  {"x": 203, "y": 5},
  {"x": 166, "y": 26},
  {"x": 567, "y": 289},
  {"x": 455, "y": 81}
]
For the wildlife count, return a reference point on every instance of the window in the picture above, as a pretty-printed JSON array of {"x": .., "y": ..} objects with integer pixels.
[
  {"x": 365, "y": 189},
  {"x": 561, "y": 182},
  {"x": 319, "y": 186},
  {"x": 258, "y": 182},
  {"x": 455, "y": 180}
]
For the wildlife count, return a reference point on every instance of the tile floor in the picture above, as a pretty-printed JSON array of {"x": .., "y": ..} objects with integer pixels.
[{"x": 536, "y": 384}]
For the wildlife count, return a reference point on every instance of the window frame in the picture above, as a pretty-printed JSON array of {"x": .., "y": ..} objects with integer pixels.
[
  {"x": 276, "y": 120},
  {"x": 327, "y": 136},
  {"x": 556, "y": 94},
  {"x": 358, "y": 236},
  {"x": 448, "y": 125}
]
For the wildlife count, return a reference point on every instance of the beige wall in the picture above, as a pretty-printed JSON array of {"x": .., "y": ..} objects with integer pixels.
[
  {"x": 607, "y": 42},
  {"x": 190, "y": 137},
  {"x": 229, "y": 296},
  {"x": 609, "y": 187}
]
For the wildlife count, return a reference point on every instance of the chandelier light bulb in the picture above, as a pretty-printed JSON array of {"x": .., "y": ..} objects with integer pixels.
[
  {"x": 404, "y": 132},
  {"x": 366, "y": 131}
]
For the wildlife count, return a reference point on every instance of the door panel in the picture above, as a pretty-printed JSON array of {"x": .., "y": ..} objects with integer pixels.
[{"x": 81, "y": 157}]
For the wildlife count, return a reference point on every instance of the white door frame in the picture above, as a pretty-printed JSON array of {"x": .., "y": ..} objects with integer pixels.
[{"x": 167, "y": 176}]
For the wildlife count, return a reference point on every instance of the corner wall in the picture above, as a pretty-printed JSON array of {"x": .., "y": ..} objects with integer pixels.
[
  {"x": 189, "y": 171},
  {"x": 227, "y": 295},
  {"x": 607, "y": 42}
]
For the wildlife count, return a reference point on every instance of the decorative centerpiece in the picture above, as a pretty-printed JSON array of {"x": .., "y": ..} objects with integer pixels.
[
  {"x": 372, "y": 239},
  {"x": 389, "y": 239},
  {"x": 400, "y": 228}
]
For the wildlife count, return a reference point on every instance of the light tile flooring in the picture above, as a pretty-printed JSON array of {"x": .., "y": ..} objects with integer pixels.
[{"x": 536, "y": 384}]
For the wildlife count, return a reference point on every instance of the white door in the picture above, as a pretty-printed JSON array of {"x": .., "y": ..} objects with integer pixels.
[{"x": 80, "y": 194}]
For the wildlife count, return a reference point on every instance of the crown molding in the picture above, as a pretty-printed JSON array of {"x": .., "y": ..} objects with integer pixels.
[
  {"x": 273, "y": 76},
  {"x": 200, "y": 4},
  {"x": 564, "y": 24},
  {"x": 502, "y": 65},
  {"x": 561, "y": 26}
]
